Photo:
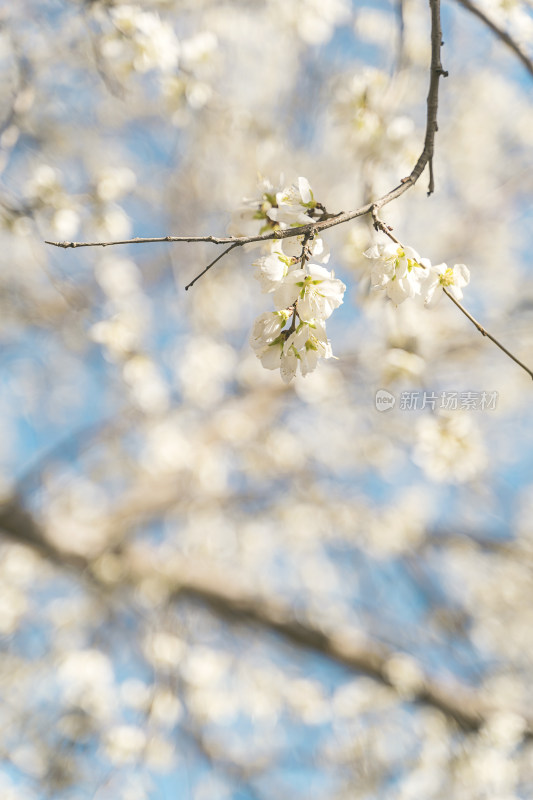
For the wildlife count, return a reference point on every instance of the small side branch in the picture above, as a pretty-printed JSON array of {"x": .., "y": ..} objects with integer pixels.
[
  {"x": 505, "y": 37},
  {"x": 212, "y": 264},
  {"x": 484, "y": 332},
  {"x": 379, "y": 225}
]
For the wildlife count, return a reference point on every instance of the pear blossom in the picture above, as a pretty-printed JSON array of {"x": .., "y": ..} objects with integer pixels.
[
  {"x": 270, "y": 355},
  {"x": 253, "y": 210},
  {"x": 303, "y": 347},
  {"x": 294, "y": 244},
  {"x": 274, "y": 356},
  {"x": 305, "y": 292},
  {"x": 284, "y": 258},
  {"x": 308, "y": 343},
  {"x": 155, "y": 43},
  {"x": 288, "y": 365},
  {"x": 449, "y": 448},
  {"x": 275, "y": 207},
  {"x": 272, "y": 269},
  {"x": 451, "y": 278},
  {"x": 314, "y": 290},
  {"x": 397, "y": 269},
  {"x": 198, "y": 49},
  {"x": 314, "y": 21},
  {"x": 267, "y": 328},
  {"x": 293, "y": 204}
]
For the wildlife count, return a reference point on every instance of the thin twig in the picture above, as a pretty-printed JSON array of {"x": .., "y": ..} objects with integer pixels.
[
  {"x": 212, "y": 264},
  {"x": 484, "y": 332},
  {"x": 379, "y": 225},
  {"x": 505, "y": 37}
]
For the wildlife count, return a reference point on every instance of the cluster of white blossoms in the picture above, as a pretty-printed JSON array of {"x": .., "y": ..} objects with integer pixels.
[
  {"x": 146, "y": 41},
  {"x": 305, "y": 294},
  {"x": 135, "y": 40},
  {"x": 401, "y": 273}
]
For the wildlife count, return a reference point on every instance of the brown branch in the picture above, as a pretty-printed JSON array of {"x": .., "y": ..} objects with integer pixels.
[
  {"x": 212, "y": 264},
  {"x": 327, "y": 220},
  {"x": 436, "y": 72},
  {"x": 228, "y": 597},
  {"x": 349, "y": 648},
  {"x": 18, "y": 524},
  {"x": 151, "y": 239},
  {"x": 484, "y": 332},
  {"x": 505, "y": 37},
  {"x": 379, "y": 225},
  {"x": 515, "y": 549},
  {"x": 238, "y": 241}
]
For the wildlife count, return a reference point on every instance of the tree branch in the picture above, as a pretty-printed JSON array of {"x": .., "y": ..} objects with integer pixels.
[
  {"x": 484, "y": 332},
  {"x": 212, "y": 264},
  {"x": 349, "y": 648},
  {"x": 330, "y": 220},
  {"x": 436, "y": 72},
  {"x": 18, "y": 524},
  {"x": 505, "y": 37},
  {"x": 228, "y": 597},
  {"x": 379, "y": 225}
]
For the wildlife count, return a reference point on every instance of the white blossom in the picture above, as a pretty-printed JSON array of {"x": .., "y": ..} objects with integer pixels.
[
  {"x": 304, "y": 346},
  {"x": 272, "y": 269},
  {"x": 314, "y": 290},
  {"x": 314, "y": 20},
  {"x": 293, "y": 204},
  {"x": 271, "y": 354},
  {"x": 156, "y": 45},
  {"x": 293, "y": 245},
  {"x": 198, "y": 49},
  {"x": 125, "y": 743},
  {"x": 267, "y": 328},
  {"x": 307, "y": 344},
  {"x": 398, "y": 270},
  {"x": 449, "y": 448},
  {"x": 451, "y": 278},
  {"x": 284, "y": 258},
  {"x": 255, "y": 209}
]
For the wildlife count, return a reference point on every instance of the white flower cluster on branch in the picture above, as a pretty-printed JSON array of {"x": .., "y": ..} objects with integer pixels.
[
  {"x": 402, "y": 273},
  {"x": 305, "y": 293}
]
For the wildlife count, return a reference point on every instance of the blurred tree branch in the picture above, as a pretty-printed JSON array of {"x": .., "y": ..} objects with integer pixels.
[
  {"x": 230, "y": 598},
  {"x": 502, "y": 34}
]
